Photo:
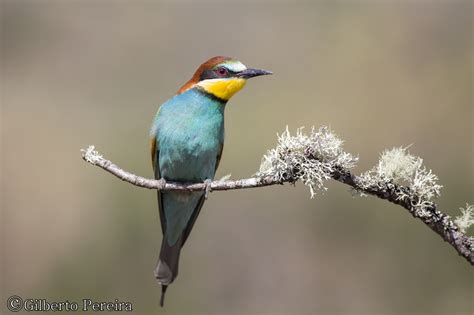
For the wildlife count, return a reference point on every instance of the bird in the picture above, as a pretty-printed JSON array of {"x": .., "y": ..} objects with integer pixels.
[{"x": 186, "y": 140}]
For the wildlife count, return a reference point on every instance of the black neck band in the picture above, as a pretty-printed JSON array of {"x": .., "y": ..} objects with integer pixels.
[{"x": 210, "y": 95}]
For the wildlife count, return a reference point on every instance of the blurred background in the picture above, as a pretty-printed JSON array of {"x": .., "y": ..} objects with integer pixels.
[{"x": 379, "y": 73}]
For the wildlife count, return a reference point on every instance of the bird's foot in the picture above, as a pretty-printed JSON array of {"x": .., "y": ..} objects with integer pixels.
[
  {"x": 207, "y": 185},
  {"x": 161, "y": 184}
]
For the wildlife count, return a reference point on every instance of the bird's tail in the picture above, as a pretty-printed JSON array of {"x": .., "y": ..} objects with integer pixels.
[
  {"x": 167, "y": 267},
  {"x": 163, "y": 291}
]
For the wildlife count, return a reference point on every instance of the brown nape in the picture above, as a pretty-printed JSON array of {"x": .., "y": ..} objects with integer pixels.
[{"x": 209, "y": 64}]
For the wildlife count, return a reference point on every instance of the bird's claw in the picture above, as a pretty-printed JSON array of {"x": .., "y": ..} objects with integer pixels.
[
  {"x": 161, "y": 184},
  {"x": 207, "y": 185}
]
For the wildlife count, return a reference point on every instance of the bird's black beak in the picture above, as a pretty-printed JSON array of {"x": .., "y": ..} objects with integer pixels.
[{"x": 250, "y": 73}]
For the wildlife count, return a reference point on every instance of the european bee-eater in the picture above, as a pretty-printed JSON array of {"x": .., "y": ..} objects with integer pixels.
[{"x": 187, "y": 137}]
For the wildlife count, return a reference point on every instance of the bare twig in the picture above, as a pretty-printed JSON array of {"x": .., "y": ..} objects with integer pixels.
[{"x": 432, "y": 217}]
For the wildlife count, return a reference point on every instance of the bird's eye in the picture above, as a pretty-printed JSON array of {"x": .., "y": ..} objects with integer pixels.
[{"x": 222, "y": 72}]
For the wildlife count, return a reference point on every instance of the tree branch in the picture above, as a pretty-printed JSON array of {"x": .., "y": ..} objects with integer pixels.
[{"x": 436, "y": 220}]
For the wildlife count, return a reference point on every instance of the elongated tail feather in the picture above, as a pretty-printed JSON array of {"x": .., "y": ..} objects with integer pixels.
[
  {"x": 168, "y": 263},
  {"x": 163, "y": 291}
]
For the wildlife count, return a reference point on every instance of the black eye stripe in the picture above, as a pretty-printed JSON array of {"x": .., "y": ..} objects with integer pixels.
[
  {"x": 223, "y": 67},
  {"x": 207, "y": 74},
  {"x": 212, "y": 74}
]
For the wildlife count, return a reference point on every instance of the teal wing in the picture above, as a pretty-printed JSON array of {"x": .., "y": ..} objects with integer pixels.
[
  {"x": 155, "y": 153},
  {"x": 197, "y": 210}
]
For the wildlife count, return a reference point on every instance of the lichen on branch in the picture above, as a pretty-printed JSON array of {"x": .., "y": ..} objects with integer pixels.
[
  {"x": 399, "y": 177},
  {"x": 310, "y": 158},
  {"x": 91, "y": 155},
  {"x": 398, "y": 166},
  {"x": 466, "y": 219}
]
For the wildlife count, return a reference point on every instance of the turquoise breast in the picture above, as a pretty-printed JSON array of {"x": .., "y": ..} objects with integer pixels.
[{"x": 191, "y": 134}]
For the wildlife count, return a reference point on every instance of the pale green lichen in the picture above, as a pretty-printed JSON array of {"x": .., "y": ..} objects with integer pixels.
[
  {"x": 310, "y": 158},
  {"x": 397, "y": 165},
  {"x": 466, "y": 219},
  {"x": 91, "y": 155},
  {"x": 400, "y": 167}
]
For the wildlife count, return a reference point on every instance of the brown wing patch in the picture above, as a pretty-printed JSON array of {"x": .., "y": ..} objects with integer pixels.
[{"x": 153, "y": 151}]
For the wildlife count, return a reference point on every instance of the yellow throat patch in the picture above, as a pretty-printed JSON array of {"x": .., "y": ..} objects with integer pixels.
[{"x": 223, "y": 88}]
